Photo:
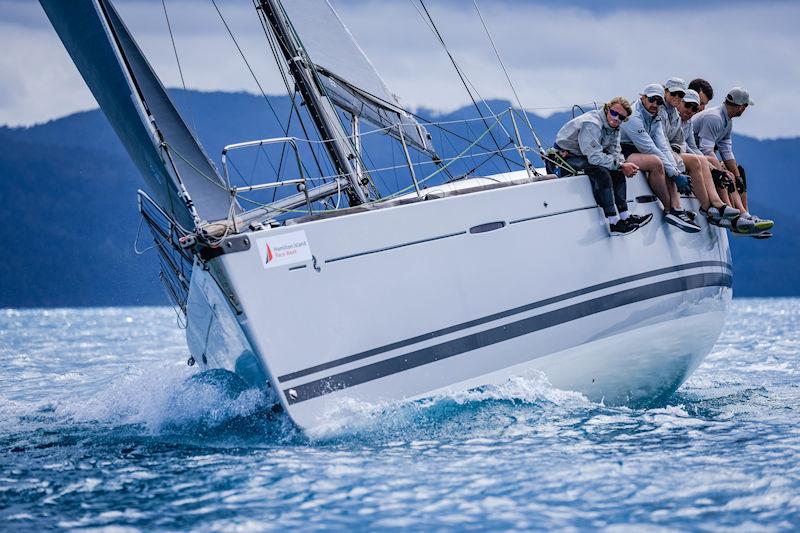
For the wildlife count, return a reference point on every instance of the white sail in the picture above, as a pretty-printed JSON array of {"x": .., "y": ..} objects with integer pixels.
[
  {"x": 349, "y": 77},
  {"x": 132, "y": 97}
]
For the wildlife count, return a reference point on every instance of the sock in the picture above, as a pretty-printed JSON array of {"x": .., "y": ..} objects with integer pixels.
[
  {"x": 613, "y": 220},
  {"x": 624, "y": 215}
]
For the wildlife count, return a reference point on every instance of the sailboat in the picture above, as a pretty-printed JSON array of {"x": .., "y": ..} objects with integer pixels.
[{"x": 336, "y": 291}]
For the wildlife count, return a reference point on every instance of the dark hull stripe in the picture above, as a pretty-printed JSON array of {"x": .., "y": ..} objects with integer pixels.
[
  {"x": 503, "y": 314},
  {"x": 500, "y": 334}
]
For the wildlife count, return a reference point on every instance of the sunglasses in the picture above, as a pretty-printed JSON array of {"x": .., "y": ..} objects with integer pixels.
[
  {"x": 691, "y": 107},
  {"x": 677, "y": 94},
  {"x": 655, "y": 99},
  {"x": 619, "y": 116}
]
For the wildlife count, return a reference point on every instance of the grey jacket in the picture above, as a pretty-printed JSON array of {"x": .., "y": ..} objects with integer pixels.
[
  {"x": 689, "y": 145},
  {"x": 712, "y": 128},
  {"x": 590, "y": 135},
  {"x": 644, "y": 131},
  {"x": 671, "y": 122}
]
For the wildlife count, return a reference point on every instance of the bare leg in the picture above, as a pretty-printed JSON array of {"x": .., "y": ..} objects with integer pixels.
[
  {"x": 713, "y": 196},
  {"x": 655, "y": 175},
  {"x": 674, "y": 195},
  {"x": 693, "y": 167},
  {"x": 733, "y": 199}
]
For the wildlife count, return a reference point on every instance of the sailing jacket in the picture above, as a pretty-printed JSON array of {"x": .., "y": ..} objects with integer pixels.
[
  {"x": 712, "y": 129},
  {"x": 591, "y": 136},
  {"x": 671, "y": 122},
  {"x": 645, "y": 132},
  {"x": 689, "y": 146}
]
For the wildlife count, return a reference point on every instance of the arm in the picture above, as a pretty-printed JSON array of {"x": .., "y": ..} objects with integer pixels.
[
  {"x": 732, "y": 167},
  {"x": 590, "y": 142},
  {"x": 708, "y": 131},
  {"x": 725, "y": 147},
  {"x": 691, "y": 145},
  {"x": 636, "y": 132}
]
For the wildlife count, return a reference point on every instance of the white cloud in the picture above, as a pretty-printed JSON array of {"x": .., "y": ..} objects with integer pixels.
[{"x": 556, "y": 55}]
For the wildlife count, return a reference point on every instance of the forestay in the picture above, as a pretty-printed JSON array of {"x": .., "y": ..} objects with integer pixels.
[
  {"x": 139, "y": 109},
  {"x": 349, "y": 78}
]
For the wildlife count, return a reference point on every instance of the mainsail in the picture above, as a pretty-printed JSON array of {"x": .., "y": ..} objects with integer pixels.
[
  {"x": 349, "y": 78},
  {"x": 170, "y": 159}
]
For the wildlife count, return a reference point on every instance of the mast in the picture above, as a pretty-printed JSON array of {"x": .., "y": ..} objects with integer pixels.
[{"x": 319, "y": 106}]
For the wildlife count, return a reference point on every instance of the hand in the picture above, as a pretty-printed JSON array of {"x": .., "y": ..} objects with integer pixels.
[
  {"x": 629, "y": 169},
  {"x": 683, "y": 182}
]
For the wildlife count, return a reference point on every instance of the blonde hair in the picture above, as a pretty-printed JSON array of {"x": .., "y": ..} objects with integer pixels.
[{"x": 621, "y": 100}]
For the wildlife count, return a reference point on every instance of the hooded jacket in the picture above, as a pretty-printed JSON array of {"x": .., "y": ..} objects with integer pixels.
[
  {"x": 591, "y": 136},
  {"x": 646, "y": 133}
]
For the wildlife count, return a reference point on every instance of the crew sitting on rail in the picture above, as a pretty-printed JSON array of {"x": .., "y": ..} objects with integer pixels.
[
  {"x": 682, "y": 104},
  {"x": 644, "y": 144},
  {"x": 712, "y": 130},
  {"x": 590, "y": 143}
]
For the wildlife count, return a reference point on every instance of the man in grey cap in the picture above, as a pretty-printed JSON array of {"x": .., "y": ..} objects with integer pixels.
[
  {"x": 712, "y": 131},
  {"x": 683, "y": 144},
  {"x": 643, "y": 142}
]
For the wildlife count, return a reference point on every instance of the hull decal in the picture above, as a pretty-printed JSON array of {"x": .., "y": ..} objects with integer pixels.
[
  {"x": 497, "y": 316},
  {"x": 495, "y": 335}
]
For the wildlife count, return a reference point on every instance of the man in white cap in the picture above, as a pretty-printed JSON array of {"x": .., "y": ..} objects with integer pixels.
[
  {"x": 683, "y": 144},
  {"x": 643, "y": 142},
  {"x": 712, "y": 131}
]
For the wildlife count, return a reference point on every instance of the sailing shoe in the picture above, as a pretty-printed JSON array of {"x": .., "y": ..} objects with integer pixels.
[
  {"x": 640, "y": 220},
  {"x": 761, "y": 224},
  {"x": 743, "y": 225},
  {"x": 715, "y": 214},
  {"x": 681, "y": 220},
  {"x": 623, "y": 227}
]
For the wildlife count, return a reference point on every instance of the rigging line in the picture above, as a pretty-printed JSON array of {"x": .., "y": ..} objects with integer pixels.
[
  {"x": 241, "y": 53},
  {"x": 508, "y": 78},
  {"x": 271, "y": 40},
  {"x": 438, "y": 126},
  {"x": 455, "y": 65},
  {"x": 178, "y": 61},
  {"x": 473, "y": 169},
  {"x": 423, "y": 180},
  {"x": 464, "y": 78}
]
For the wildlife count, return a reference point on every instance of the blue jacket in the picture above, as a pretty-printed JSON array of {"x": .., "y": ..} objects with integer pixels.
[{"x": 646, "y": 133}]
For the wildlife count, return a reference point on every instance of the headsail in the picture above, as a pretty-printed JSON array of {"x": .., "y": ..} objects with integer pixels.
[
  {"x": 350, "y": 79},
  {"x": 130, "y": 94}
]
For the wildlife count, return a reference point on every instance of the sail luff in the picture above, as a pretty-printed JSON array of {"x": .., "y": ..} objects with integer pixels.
[{"x": 170, "y": 159}]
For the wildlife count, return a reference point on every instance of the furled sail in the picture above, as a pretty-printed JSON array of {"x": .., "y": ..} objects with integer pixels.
[
  {"x": 350, "y": 79},
  {"x": 132, "y": 97}
]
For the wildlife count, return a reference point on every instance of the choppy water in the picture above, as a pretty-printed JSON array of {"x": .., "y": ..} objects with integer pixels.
[{"x": 92, "y": 435}]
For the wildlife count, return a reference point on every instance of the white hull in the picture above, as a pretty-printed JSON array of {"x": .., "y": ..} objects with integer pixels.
[{"x": 404, "y": 302}]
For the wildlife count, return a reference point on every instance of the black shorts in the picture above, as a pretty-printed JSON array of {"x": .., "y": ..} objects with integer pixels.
[{"x": 628, "y": 149}]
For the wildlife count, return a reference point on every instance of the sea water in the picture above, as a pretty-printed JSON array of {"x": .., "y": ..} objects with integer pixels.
[{"x": 100, "y": 429}]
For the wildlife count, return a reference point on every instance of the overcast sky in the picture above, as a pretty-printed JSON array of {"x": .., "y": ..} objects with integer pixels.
[{"x": 558, "y": 52}]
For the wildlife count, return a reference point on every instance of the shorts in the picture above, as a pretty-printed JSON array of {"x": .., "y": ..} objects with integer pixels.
[{"x": 628, "y": 149}]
